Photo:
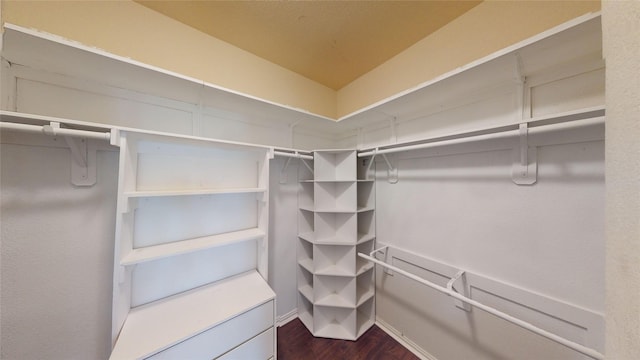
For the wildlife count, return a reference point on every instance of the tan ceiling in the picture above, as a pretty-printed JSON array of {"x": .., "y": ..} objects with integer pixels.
[{"x": 330, "y": 42}]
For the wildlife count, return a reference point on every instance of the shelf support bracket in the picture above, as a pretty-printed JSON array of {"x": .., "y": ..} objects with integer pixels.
[
  {"x": 83, "y": 157},
  {"x": 392, "y": 173},
  {"x": 461, "y": 288},
  {"x": 525, "y": 163}
]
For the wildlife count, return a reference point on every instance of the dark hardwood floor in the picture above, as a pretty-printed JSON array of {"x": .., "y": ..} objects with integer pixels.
[{"x": 295, "y": 342}]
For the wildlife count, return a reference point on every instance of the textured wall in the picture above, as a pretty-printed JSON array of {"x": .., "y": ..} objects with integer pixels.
[{"x": 621, "y": 26}]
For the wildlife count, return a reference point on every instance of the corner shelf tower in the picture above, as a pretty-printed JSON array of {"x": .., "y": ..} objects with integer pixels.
[
  {"x": 336, "y": 220},
  {"x": 190, "y": 258}
]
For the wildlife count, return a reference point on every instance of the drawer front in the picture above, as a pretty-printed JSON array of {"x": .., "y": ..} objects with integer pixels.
[
  {"x": 224, "y": 337},
  {"x": 258, "y": 348}
]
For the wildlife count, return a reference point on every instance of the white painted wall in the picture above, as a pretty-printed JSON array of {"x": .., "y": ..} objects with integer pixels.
[
  {"x": 57, "y": 254},
  {"x": 283, "y": 234},
  {"x": 621, "y": 26},
  {"x": 462, "y": 209}
]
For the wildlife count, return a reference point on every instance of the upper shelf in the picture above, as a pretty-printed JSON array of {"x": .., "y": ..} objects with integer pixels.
[
  {"x": 159, "y": 325},
  {"x": 162, "y": 193},
  {"x": 575, "y": 38}
]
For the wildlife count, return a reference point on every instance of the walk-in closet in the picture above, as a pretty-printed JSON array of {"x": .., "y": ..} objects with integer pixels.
[{"x": 174, "y": 188}]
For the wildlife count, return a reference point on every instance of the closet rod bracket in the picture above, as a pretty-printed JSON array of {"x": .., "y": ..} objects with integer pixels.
[
  {"x": 392, "y": 172},
  {"x": 461, "y": 288},
  {"x": 83, "y": 156},
  {"x": 525, "y": 160}
]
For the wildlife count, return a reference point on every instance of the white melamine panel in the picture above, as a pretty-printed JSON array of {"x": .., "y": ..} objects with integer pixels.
[
  {"x": 366, "y": 195},
  {"x": 305, "y": 312},
  {"x": 182, "y": 168},
  {"x": 155, "y": 327},
  {"x": 115, "y": 107},
  {"x": 306, "y": 223},
  {"x": 339, "y": 165},
  {"x": 366, "y": 225},
  {"x": 365, "y": 287},
  {"x": 332, "y": 322},
  {"x": 337, "y": 291},
  {"x": 165, "y": 277},
  {"x": 219, "y": 127},
  {"x": 335, "y": 228},
  {"x": 571, "y": 93},
  {"x": 305, "y": 195},
  {"x": 220, "y": 339},
  {"x": 305, "y": 283},
  {"x": 365, "y": 316},
  {"x": 335, "y": 196},
  {"x": 305, "y": 254},
  {"x": 260, "y": 347},
  {"x": 160, "y": 220},
  {"x": 155, "y": 252},
  {"x": 334, "y": 260}
]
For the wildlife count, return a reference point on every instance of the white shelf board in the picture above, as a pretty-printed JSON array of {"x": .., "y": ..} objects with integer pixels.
[
  {"x": 335, "y": 210},
  {"x": 366, "y": 180},
  {"x": 307, "y": 236},
  {"x": 334, "y": 300},
  {"x": 336, "y": 181},
  {"x": 307, "y": 292},
  {"x": 333, "y": 270},
  {"x": 364, "y": 294},
  {"x": 334, "y": 331},
  {"x": 363, "y": 267},
  {"x": 307, "y": 320},
  {"x": 334, "y": 240},
  {"x": 364, "y": 324},
  {"x": 365, "y": 208},
  {"x": 159, "y": 325},
  {"x": 306, "y": 208},
  {"x": 363, "y": 238},
  {"x": 150, "y": 253},
  {"x": 306, "y": 264},
  {"x": 160, "y": 193}
]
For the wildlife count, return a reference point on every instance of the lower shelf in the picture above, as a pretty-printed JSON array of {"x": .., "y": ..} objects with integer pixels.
[{"x": 159, "y": 325}]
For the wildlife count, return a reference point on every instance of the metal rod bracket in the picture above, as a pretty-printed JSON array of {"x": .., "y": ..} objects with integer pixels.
[
  {"x": 525, "y": 160},
  {"x": 392, "y": 173},
  {"x": 461, "y": 287},
  {"x": 83, "y": 161}
]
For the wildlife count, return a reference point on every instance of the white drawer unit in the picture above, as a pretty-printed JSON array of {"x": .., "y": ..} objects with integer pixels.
[{"x": 235, "y": 333}]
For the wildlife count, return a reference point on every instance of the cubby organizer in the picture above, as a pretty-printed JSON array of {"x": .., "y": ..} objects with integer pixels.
[
  {"x": 191, "y": 249},
  {"x": 335, "y": 221}
]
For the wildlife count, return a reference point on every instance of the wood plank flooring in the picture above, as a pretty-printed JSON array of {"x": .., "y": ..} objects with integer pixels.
[{"x": 295, "y": 342}]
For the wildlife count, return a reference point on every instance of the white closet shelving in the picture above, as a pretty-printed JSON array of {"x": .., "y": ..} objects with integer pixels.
[
  {"x": 191, "y": 249},
  {"x": 335, "y": 221}
]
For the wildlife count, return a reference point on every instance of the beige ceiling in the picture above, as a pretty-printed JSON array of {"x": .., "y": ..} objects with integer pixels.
[{"x": 330, "y": 42}]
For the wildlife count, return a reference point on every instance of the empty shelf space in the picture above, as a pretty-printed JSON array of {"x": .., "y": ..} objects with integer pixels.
[
  {"x": 157, "y": 193},
  {"x": 307, "y": 292},
  {"x": 334, "y": 270},
  {"x": 334, "y": 300},
  {"x": 363, "y": 294},
  {"x": 150, "y": 253},
  {"x": 307, "y": 264},
  {"x": 156, "y": 326},
  {"x": 363, "y": 238},
  {"x": 365, "y": 208},
  {"x": 335, "y": 210}
]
